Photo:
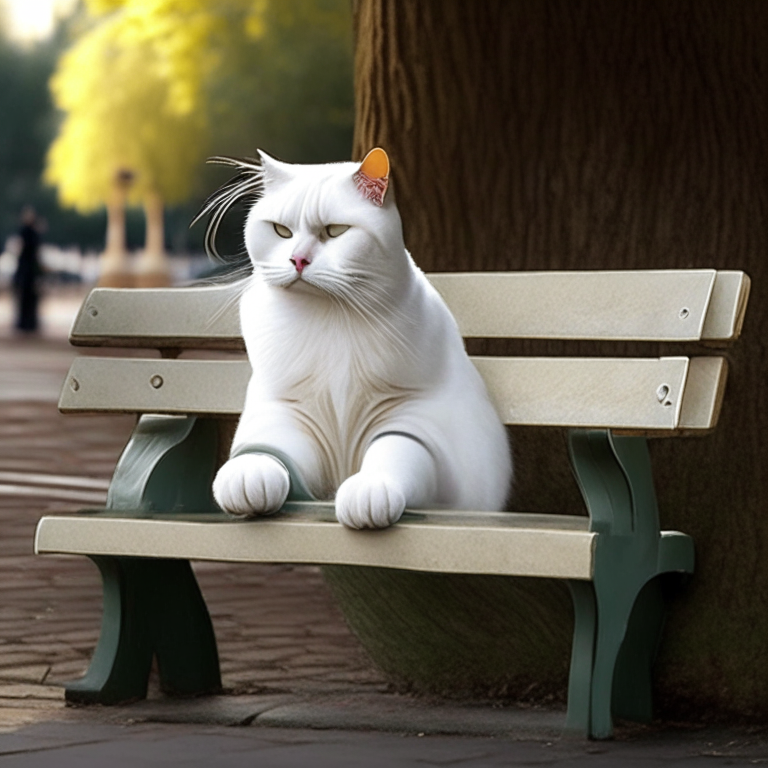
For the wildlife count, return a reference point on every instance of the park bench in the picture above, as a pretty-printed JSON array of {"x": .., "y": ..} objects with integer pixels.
[{"x": 160, "y": 515}]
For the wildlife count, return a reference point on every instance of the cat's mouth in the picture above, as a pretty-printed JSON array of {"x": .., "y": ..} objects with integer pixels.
[
  {"x": 302, "y": 284},
  {"x": 295, "y": 282},
  {"x": 283, "y": 280}
]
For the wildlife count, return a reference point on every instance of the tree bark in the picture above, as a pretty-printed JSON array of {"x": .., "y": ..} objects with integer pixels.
[{"x": 591, "y": 134}]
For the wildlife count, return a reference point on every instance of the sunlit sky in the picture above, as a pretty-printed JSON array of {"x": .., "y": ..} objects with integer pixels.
[{"x": 33, "y": 19}]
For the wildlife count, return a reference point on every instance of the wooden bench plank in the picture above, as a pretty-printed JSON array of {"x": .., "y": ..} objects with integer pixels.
[
  {"x": 587, "y": 392},
  {"x": 728, "y": 306},
  {"x": 672, "y": 305},
  {"x": 557, "y": 546},
  {"x": 160, "y": 318},
  {"x": 650, "y": 305},
  {"x": 662, "y": 394},
  {"x": 109, "y": 385},
  {"x": 704, "y": 392}
]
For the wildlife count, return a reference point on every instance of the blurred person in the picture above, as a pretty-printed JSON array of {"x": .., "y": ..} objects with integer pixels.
[{"x": 27, "y": 276}]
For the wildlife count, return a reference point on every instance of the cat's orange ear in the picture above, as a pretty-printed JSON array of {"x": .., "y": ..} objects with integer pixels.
[{"x": 372, "y": 179}]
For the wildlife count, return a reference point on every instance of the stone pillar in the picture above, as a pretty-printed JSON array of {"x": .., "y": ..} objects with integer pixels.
[
  {"x": 152, "y": 268},
  {"x": 115, "y": 269}
]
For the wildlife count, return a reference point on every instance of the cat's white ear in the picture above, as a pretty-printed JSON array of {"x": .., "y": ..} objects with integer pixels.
[
  {"x": 372, "y": 178},
  {"x": 274, "y": 171}
]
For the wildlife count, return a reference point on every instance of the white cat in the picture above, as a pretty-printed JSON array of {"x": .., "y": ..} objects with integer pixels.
[{"x": 361, "y": 384}]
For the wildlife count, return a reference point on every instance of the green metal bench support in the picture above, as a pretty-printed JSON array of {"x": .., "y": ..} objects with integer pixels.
[
  {"x": 167, "y": 464},
  {"x": 153, "y": 608},
  {"x": 618, "y": 615}
]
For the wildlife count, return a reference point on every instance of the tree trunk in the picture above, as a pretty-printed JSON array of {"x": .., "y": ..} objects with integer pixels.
[
  {"x": 114, "y": 268},
  {"x": 152, "y": 269},
  {"x": 591, "y": 134}
]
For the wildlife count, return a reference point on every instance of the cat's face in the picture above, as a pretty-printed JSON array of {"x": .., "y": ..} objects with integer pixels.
[{"x": 327, "y": 229}]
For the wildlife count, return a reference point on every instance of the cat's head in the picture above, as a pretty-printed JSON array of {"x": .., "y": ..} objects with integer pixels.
[{"x": 330, "y": 228}]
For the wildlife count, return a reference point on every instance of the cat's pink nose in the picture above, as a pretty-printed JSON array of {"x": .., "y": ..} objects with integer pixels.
[{"x": 299, "y": 262}]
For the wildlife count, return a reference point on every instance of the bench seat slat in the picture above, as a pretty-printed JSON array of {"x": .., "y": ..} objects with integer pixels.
[
  {"x": 666, "y": 305},
  {"x": 558, "y": 546},
  {"x": 665, "y": 394}
]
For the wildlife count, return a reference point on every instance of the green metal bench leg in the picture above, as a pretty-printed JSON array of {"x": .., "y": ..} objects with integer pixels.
[
  {"x": 612, "y": 658},
  {"x": 151, "y": 608},
  {"x": 185, "y": 643},
  {"x": 612, "y": 624},
  {"x": 632, "y": 699},
  {"x": 614, "y": 474},
  {"x": 121, "y": 663},
  {"x": 579, "y": 718}
]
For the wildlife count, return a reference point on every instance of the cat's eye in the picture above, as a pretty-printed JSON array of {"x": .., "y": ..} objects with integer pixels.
[
  {"x": 282, "y": 231},
  {"x": 334, "y": 230}
]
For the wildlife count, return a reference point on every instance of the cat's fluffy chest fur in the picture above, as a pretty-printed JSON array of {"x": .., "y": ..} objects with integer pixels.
[
  {"x": 342, "y": 380},
  {"x": 360, "y": 380}
]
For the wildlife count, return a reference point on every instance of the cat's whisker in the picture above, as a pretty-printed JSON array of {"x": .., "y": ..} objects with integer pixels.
[
  {"x": 378, "y": 306},
  {"x": 248, "y": 182},
  {"x": 368, "y": 283},
  {"x": 280, "y": 280},
  {"x": 374, "y": 317},
  {"x": 275, "y": 274},
  {"x": 384, "y": 304},
  {"x": 335, "y": 288},
  {"x": 400, "y": 343},
  {"x": 239, "y": 289}
]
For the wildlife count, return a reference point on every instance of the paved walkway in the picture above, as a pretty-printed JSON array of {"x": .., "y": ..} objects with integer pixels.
[{"x": 289, "y": 662}]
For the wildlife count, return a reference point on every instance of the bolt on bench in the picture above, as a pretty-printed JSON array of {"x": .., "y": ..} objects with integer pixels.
[{"x": 160, "y": 514}]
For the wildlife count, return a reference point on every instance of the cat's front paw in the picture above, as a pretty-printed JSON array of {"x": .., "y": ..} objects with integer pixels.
[
  {"x": 251, "y": 484},
  {"x": 369, "y": 500}
]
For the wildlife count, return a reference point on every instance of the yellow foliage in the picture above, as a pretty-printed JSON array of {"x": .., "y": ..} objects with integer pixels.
[
  {"x": 147, "y": 85},
  {"x": 97, "y": 7},
  {"x": 130, "y": 91}
]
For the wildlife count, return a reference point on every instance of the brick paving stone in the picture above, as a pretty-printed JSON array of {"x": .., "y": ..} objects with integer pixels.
[
  {"x": 36, "y": 673},
  {"x": 258, "y": 681},
  {"x": 64, "y": 671},
  {"x": 21, "y": 691},
  {"x": 262, "y": 655},
  {"x": 313, "y": 671},
  {"x": 16, "y": 659},
  {"x": 30, "y": 703}
]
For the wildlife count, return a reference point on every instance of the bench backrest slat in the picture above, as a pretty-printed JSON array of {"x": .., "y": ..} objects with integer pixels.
[
  {"x": 633, "y": 306},
  {"x": 656, "y": 395},
  {"x": 198, "y": 318},
  {"x": 671, "y": 305}
]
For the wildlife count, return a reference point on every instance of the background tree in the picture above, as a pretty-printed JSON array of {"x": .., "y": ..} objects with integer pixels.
[
  {"x": 127, "y": 135},
  {"x": 155, "y": 88},
  {"x": 26, "y": 130},
  {"x": 288, "y": 88},
  {"x": 584, "y": 134}
]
